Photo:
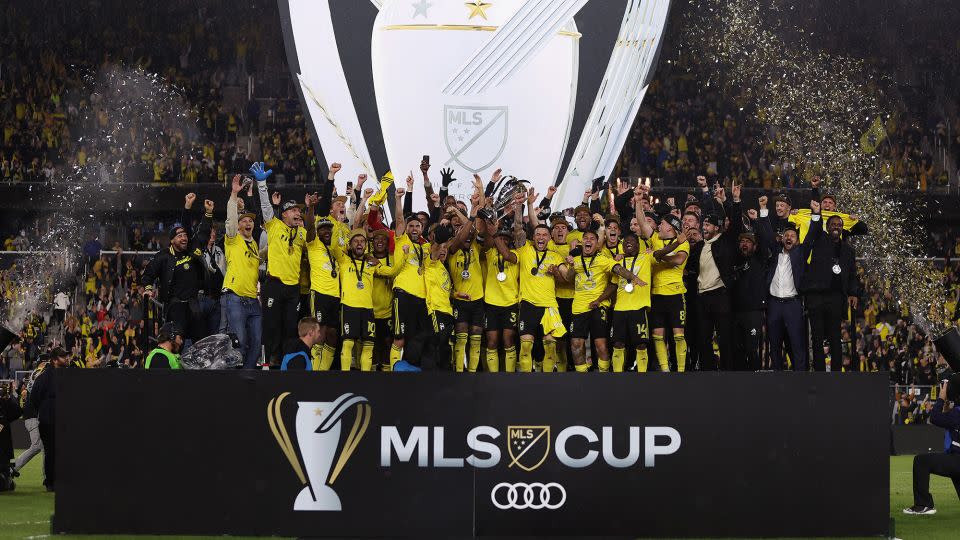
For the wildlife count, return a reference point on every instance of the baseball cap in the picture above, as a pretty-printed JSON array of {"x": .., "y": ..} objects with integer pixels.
[{"x": 290, "y": 204}]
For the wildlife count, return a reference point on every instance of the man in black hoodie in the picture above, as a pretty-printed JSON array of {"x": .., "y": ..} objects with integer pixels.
[{"x": 749, "y": 295}]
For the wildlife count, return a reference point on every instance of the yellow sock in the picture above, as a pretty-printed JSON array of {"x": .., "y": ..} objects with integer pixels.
[
  {"x": 581, "y": 368},
  {"x": 680, "y": 345},
  {"x": 660, "y": 347},
  {"x": 346, "y": 354},
  {"x": 326, "y": 357},
  {"x": 316, "y": 357},
  {"x": 474, "y": 359},
  {"x": 459, "y": 349},
  {"x": 549, "y": 355},
  {"x": 396, "y": 354},
  {"x": 510, "y": 359},
  {"x": 643, "y": 359},
  {"x": 366, "y": 356},
  {"x": 618, "y": 353},
  {"x": 603, "y": 365},
  {"x": 561, "y": 357},
  {"x": 526, "y": 356},
  {"x": 493, "y": 360}
]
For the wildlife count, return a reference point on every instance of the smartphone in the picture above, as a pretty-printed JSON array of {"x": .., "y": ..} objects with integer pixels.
[
  {"x": 349, "y": 187},
  {"x": 426, "y": 159}
]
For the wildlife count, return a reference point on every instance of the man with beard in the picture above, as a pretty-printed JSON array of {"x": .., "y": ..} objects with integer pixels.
[
  {"x": 358, "y": 270},
  {"x": 630, "y": 323},
  {"x": 785, "y": 274},
  {"x": 323, "y": 253},
  {"x": 409, "y": 292},
  {"x": 831, "y": 286},
  {"x": 828, "y": 209},
  {"x": 590, "y": 272},
  {"x": 748, "y": 292},
  {"x": 167, "y": 353},
  {"x": 583, "y": 220},
  {"x": 691, "y": 229},
  {"x": 463, "y": 263},
  {"x": 286, "y": 241},
  {"x": 239, "y": 301},
  {"x": 539, "y": 313},
  {"x": 181, "y": 272},
  {"x": 501, "y": 298},
  {"x": 383, "y": 298}
]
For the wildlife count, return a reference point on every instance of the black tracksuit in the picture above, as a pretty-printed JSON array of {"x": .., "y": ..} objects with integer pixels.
[{"x": 750, "y": 298}]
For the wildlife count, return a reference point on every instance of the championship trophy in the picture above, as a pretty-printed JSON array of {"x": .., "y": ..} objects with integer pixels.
[
  {"x": 318, "y": 438},
  {"x": 478, "y": 85}
]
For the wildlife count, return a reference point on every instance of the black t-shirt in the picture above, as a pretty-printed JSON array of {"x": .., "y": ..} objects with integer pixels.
[
  {"x": 298, "y": 362},
  {"x": 187, "y": 277}
]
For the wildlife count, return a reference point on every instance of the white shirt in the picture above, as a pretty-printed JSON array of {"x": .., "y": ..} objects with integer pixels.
[
  {"x": 61, "y": 301},
  {"x": 709, "y": 277},
  {"x": 782, "y": 285}
]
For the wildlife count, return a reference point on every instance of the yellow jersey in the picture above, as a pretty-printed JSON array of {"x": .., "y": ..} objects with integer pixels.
[
  {"x": 668, "y": 278},
  {"x": 502, "y": 293},
  {"x": 612, "y": 252},
  {"x": 537, "y": 288},
  {"x": 468, "y": 259},
  {"x": 324, "y": 269},
  {"x": 285, "y": 246},
  {"x": 802, "y": 220},
  {"x": 639, "y": 297},
  {"x": 408, "y": 278},
  {"x": 564, "y": 289},
  {"x": 383, "y": 288},
  {"x": 592, "y": 275},
  {"x": 357, "y": 279},
  {"x": 243, "y": 266},
  {"x": 438, "y": 286}
]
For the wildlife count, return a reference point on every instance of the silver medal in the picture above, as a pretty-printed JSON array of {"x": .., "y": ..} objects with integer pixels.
[
  {"x": 465, "y": 274},
  {"x": 628, "y": 287},
  {"x": 836, "y": 269},
  {"x": 360, "y": 285},
  {"x": 502, "y": 276}
]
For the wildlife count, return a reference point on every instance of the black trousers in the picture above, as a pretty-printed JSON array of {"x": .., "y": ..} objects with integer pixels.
[
  {"x": 691, "y": 333},
  {"x": 924, "y": 465},
  {"x": 49, "y": 453},
  {"x": 281, "y": 307},
  {"x": 825, "y": 311},
  {"x": 748, "y": 338},
  {"x": 785, "y": 320},
  {"x": 714, "y": 314},
  {"x": 188, "y": 317}
]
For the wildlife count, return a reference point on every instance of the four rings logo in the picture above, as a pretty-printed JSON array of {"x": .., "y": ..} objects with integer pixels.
[{"x": 533, "y": 496}]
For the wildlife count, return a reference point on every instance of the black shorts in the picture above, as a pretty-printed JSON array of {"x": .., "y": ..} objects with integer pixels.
[
  {"x": 595, "y": 323},
  {"x": 565, "y": 305},
  {"x": 630, "y": 327},
  {"x": 325, "y": 308},
  {"x": 357, "y": 323},
  {"x": 668, "y": 311},
  {"x": 531, "y": 319},
  {"x": 384, "y": 327},
  {"x": 468, "y": 311},
  {"x": 409, "y": 315},
  {"x": 497, "y": 318},
  {"x": 442, "y": 323}
]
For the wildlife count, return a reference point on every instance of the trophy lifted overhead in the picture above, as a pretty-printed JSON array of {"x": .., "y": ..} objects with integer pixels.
[{"x": 478, "y": 85}]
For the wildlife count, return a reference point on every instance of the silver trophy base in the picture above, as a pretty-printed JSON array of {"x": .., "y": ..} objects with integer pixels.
[{"x": 326, "y": 499}]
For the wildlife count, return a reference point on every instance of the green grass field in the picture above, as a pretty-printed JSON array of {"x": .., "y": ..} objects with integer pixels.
[{"x": 25, "y": 513}]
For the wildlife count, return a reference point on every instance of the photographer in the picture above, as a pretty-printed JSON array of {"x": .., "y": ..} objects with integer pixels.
[{"x": 941, "y": 463}]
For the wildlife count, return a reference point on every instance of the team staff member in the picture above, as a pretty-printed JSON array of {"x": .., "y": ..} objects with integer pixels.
[
  {"x": 630, "y": 321},
  {"x": 590, "y": 271},
  {"x": 43, "y": 398},
  {"x": 182, "y": 274},
  {"x": 286, "y": 241},
  {"x": 945, "y": 414},
  {"x": 668, "y": 309},
  {"x": 383, "y": 298},
  {"x": 539, "y": 313},
  {"x": 239, "y": 301},
  {"x": 466, "y": 274},
  {"x": 167, "y": 353},
  {"x": 409, "y": 291},
  {"x": 323, "y": 252},
  {"x": 502, "y": 299},
  {"x": 357, "y": 275}
]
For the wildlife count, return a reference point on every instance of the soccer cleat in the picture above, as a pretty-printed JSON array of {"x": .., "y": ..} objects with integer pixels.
[{"x": 917, "y": 510}]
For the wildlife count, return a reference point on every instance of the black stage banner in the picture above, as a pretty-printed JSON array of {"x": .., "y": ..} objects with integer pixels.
[{"x": 443, "y": 454}]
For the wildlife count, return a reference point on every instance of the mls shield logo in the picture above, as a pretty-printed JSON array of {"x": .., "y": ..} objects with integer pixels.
[
  {"x": 475, "y": 136},
  {"x": 528, "y": 446}
]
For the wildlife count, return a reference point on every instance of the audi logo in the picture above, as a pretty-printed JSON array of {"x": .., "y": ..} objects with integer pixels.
[{"x": 532, "y": 496}]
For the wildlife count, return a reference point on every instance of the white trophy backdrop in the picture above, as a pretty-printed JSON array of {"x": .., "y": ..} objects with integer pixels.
[{"x": 475, "y": 85}]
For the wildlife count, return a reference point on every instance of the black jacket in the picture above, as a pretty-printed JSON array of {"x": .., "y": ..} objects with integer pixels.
[
  {"x": 819, "y": 277},
  {"x": 749, "y": 293},
  {"x": 43, "y": 395},
  {"x": 725, "y": 250},
  {"x": 163, "y": 264},
  {"x": 798, "y": 260}
]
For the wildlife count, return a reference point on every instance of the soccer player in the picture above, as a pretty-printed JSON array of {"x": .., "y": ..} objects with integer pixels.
[
  {"x": 632, "y": 305},
  {"x": 286, "y": 240},
  {"x": 590, "y": 271},
  {"x": 559, "y": 230},
  {"x": 357, "y": 272},
  {"x": 383, "y": 298},
  {"x": 501, "y": 298},
  {"x": 612, "y": 247},
  {"x": 668, "y": 308},
  {"x": 466, "y": 273},
  {"x": 409, "y": 291},
  {"x": 239, "y": 301},
  {"x": 539, "y": 313},
  {"x": 323, "y": 253}
]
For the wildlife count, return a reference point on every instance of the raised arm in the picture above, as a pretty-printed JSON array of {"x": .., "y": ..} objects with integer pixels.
[
  {"x": 261, "y": 175},
  {"x": 646, "y": 231},
  {"x": 400, "y": 222},
  {"x": 531, "y": 211},
  {"x": 309, "y": 217},
  {"x": 326, "y": 191},
  {"x": 231, "y": 225},
  {"x": 501, "y": 244}
]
